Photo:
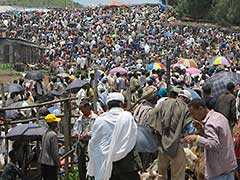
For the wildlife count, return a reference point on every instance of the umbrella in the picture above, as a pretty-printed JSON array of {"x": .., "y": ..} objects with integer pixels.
[
  {"x": 219, "y": 81},
  {"x": 26, "y": 131},
  {"x": 181, "y": 66},
  {"x": 219, "y": 60},
  {"x": 155, "y": 66},
  {"x": 100, "y": 74},
  {"x": 76, "y": 84},
  {"x": 193, "y": 93},
  {"x": 13, "y": 87},
  {"x": 168, "y": 34},
  {"x": 54, "y": 110},
  {"x": 21, "y": 104},
  {"x": 13, "y": 114},
  {"x": 147, "y": 141},
  {"x": 188, "y": 63},
  {"x": 118, "y": 69},
  {"x": 193, "y": 71},
  {"x": 127, "y": 49},
  {"x": 141, "y": 35},
  {"x": 34, "y": 75},
  {"x": 54, "y": 93}
]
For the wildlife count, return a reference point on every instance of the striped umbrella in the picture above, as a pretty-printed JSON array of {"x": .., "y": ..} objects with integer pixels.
[
  {"x": 188, "y": 63},
  {"x": 219, "y": 81},
  {"x": 219, "y": 60},
  {"x": 155, "y": 66}
]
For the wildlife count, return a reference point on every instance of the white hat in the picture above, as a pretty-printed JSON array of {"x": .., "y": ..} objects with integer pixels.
[
  {"x": 185, "y": 94},
  {"x": 115, "y": 96}
]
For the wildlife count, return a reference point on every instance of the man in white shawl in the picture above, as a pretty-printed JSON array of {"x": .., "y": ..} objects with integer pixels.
[{"x": 111, "y": 147}]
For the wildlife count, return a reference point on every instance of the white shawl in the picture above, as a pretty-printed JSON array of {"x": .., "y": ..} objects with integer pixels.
[{"x": 104, "y": 151}]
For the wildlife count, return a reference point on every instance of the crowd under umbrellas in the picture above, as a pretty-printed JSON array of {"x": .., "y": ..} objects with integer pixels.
[{"x": 129, "y": 47}]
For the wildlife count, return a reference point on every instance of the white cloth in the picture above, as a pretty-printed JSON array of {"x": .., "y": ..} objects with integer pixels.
[{"x": 114, "y": 135}]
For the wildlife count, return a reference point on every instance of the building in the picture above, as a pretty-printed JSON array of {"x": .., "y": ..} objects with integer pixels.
[{"x": 19, "y": 51}]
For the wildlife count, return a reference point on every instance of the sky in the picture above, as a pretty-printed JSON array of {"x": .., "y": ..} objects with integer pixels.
[{"x": 96, "y": 2}]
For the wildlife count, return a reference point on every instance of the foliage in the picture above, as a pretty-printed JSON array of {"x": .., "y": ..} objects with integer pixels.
[
  {"x": 74, "y": 174},
  {"x": 222, "y": 11}
]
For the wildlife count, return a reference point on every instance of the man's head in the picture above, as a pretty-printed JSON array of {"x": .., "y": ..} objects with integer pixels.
[
  {"x": 115, "y": 100},
  {"x": 198, "y": 109},
  {"x": 230, "y": 87},
  {"x": 52, "y": 121},
  {"x": 12, "y": 156},
  {"x": 85, "y": 107}
]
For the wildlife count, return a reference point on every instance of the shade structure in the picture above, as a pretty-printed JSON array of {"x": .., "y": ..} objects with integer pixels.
[
  {"x": 220, "y": 60},
  {"x": 219, "y": 81},
  {"x": 193, "y": 71},
  {"x": 26, "y": 132},
  {"x": 188, "y": 63},
  {"x": 155, "y": 66},
  {"x": 76, "y": 85},
  {"x": 13, "y": 87},
  {"x": 115, "y": 3},
  {"x": 118, "y": 69},
  {"x": 34, "y": 75}
]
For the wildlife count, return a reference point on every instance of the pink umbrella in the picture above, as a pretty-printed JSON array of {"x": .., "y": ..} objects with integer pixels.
[
  {"x": 118, "y": 69},
  {"x": 193, "y": 71}
]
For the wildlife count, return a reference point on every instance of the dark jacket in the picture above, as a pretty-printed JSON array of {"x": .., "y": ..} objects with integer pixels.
[{"x": 226, "y": 104}]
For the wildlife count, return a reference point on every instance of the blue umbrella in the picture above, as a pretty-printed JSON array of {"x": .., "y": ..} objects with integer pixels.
[
  {"x": 76, "y": 84},
  {"x": 26, "y": 131},
  {"x": 147, "y": 141},
  {"x": 193, "y": 93},
  {"x": 54, "y": 109},
  {"x": 168, "y": 34}
]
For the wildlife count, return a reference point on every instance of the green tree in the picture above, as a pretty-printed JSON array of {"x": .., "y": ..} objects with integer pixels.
[{"x": 194, "y": 8}]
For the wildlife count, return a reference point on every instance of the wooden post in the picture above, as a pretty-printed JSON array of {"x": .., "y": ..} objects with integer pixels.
[
  {"x": 3, "y": 95},
  {"x": 6, "y": 141},
  {"x": 128, "y": 91},
  {"x": 95, "y": 97},
  {"x": 168, "y": 74},
  {"x": 67, "y": 134}
]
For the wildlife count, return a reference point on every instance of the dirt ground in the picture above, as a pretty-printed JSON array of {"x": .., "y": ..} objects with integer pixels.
[{"x": 9, "y": 75}]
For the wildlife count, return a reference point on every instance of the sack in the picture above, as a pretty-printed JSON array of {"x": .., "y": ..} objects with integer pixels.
[{"x": 147, "y": 140}]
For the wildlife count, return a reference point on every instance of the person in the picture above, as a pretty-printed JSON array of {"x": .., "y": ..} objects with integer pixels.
[
  {"x": 82, "y": 130},
  {"x": 111, "y": 147},
  {"x": 207, "y": 97},
  {"x": 170, "y": 118},
  {"x": 226, "y": 104},
  {"x": 48, "y": 157},
  {"x": 217, "y": 140},
  {"x": 11, "y": 171}
]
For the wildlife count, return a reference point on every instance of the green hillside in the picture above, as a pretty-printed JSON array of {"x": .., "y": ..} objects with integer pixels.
[{"x": 40, "y": 3}]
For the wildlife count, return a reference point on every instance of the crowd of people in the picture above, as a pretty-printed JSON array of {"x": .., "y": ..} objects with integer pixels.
[{"x": 131, "y": 46}]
